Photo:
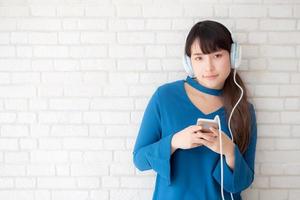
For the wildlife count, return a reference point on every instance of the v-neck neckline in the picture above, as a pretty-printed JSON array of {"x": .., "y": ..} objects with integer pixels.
[{"x": 221, "y": 109}]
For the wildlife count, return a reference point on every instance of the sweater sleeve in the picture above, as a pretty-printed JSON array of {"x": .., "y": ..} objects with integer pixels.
[
  {"x": 151, "y": 151},
  {"x": 243, "y": 174}
]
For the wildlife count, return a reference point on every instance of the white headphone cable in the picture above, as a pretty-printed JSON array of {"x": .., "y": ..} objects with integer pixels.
[{"x": 220, "y": 137}]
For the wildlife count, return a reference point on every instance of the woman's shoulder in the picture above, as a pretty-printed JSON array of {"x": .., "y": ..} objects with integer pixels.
[
  {"x": 169, "y": 88},
  {"x": 251, "y": 106}
]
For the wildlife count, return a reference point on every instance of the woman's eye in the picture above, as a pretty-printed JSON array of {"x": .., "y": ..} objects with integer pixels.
[
  {"x": 198, "y": 58},
  {"x": 218, "y": 55}
]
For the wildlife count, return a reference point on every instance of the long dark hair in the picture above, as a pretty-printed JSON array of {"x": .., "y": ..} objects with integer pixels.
[{"x": 215, "y": 36}]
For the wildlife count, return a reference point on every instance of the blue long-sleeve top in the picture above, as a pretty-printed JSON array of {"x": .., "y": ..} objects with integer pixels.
[{"x": 188, "y": 174}]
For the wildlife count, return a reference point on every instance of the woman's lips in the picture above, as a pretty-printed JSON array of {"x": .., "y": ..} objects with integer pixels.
[{"x": 211, "y": 77}]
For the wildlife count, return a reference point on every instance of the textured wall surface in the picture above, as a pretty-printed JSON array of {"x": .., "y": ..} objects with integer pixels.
[{"x": 76, "y": 75}]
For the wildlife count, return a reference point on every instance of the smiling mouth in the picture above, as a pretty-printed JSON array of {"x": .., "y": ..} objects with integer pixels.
[{"x": 212, "y": 76}]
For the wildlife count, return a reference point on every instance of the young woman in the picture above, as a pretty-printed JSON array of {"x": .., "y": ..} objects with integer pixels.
[{"x": 186, "y": 159}]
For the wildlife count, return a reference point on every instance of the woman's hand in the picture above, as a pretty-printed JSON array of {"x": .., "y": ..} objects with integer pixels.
[
  {"x": 187, "y": 138},
  {"x": 213, "y": 142}
]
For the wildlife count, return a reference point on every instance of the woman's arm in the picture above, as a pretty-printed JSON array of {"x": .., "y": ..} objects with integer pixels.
[
  {"x": 242, "y": 174},
  {"x": 150, "y": 150}
]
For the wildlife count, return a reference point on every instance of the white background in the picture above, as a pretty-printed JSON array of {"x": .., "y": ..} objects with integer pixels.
[{"x": 76, "y": 75}]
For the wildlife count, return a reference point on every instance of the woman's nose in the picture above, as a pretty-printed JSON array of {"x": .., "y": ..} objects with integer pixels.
[{"x": 209, "y": 64}]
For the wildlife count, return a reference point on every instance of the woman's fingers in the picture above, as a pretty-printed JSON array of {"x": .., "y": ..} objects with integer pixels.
[
  {"x": 205, "y": 142},
  {"x": 195, "y": 128},
  {"x": 207, "y": 136}
]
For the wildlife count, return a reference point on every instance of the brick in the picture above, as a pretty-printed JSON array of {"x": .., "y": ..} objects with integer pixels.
[
  {"x": 281, "y": 24},
  {"x": 36, "y": 24},
  {"x": 115, "y": 117},
  {"x": 128, "y": 11},
  {"x": 29, "y": 77},
  {"x": 24, "y": 52},
  {"x": 136, "y": 38},
  {"x": 69, "y": 104},
  {"x": 159, "y": 24},
  {"x": 69, "y": 130},
  {"x": 14, "y": 11},
  {"x": 97, "y": 38},
  {"x": 70, "y": 11},
  {"x": 125, "y": 51},
  {"x": 49, "y": 143},
  {"x": 56, "y": 183},
  {"x": 155, "y": 51},
  {"x": 8, "y": 144},
  {"x": 290, "y": 117},
  {"x": 14, "y": 170},
  {"x": 14, "y": 130},
  {"x": 84, "y": 90},
  {"x": 4, "y": 38},
  {"x": 268, "y": 117},
  {"x": 247, "y": 11},
  {"x": 100, "y": 11},
  {"x": 123, "y": 78},
  {"x": 6, "y": 183},
  {"x": 265, "y": 77},
  {"x": 42, "y": 11},
  {"x": 71, "y": 194},
  {"x": 274, "y": 194},
  {"x": 82, "y": 144},
  {"x": 7, "y": 117},
  {"x": 280, "y": 11},
  {"x": 162, "y": 11},
  {"x": 7, "y": 51},
  {"x": 197, "y": 11},
  {"x": 266, "y": 90},
  {"x": 8, "y": 24},
  {"x": 110, "y": 182},
  {"x": 283, "y": 65},
  {"x": 289, "y": 90},
  {"x": 68, "y": 38},
  {"x": 25, "y": 183},
  {"x": 88, "y": 182},
  {"x": 131, "y": 65},
  {"x": 66, "y": 65},
  {"x": 90, "y": 24},
  {"x": 272, "y": 156},
  {"x": 285, "y": 182},
  {"x": 102, "y": 156},
  {"x": 246, "y": 24},
  {"x": 42, "y": 38},
  {"x": 40, "y": 156},
  {"x": 112, "y": 103},
  {"x": 51, "y": 51},
  {"x": 271, "y": 104},
  {"x": 170, "y": 38},
  {"x": 91, "y": 117},
  {"x": 89, "y": 170},
  {"x": 88, "y": 51},
  {"x": 114, "y": 144}
]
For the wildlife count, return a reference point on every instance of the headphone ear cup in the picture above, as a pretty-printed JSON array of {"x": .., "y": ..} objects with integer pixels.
[
  {"x": 187, "y": 64},
  {"x": 235, "y": 55}
]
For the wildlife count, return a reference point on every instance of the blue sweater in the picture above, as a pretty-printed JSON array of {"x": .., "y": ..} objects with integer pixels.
[{"x": 191, "y": 174}]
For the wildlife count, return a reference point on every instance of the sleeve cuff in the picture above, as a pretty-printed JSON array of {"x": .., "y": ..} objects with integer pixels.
[
  {"x": 160, "y": 160},
  {"x": 231, "y": 177}
]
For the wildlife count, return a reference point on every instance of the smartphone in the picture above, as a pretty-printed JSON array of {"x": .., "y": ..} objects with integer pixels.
[{"x": 207, "y": 123}]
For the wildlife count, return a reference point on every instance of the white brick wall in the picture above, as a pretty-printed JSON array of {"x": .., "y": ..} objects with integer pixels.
[{"x": 75, "y": 77}]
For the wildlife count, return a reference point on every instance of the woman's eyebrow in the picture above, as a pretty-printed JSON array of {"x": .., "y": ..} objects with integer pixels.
[{"x": 198, "y": 54}]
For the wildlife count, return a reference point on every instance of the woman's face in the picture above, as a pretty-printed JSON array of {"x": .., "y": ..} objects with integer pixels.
[{"x": 211, "y": 70}]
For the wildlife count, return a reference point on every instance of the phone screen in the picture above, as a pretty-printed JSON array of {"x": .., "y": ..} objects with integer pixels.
[{"x": 206, "y": 125}]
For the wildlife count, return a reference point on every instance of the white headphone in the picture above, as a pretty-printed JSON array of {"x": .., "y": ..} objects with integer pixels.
[{"x": 235, "y": 59}]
